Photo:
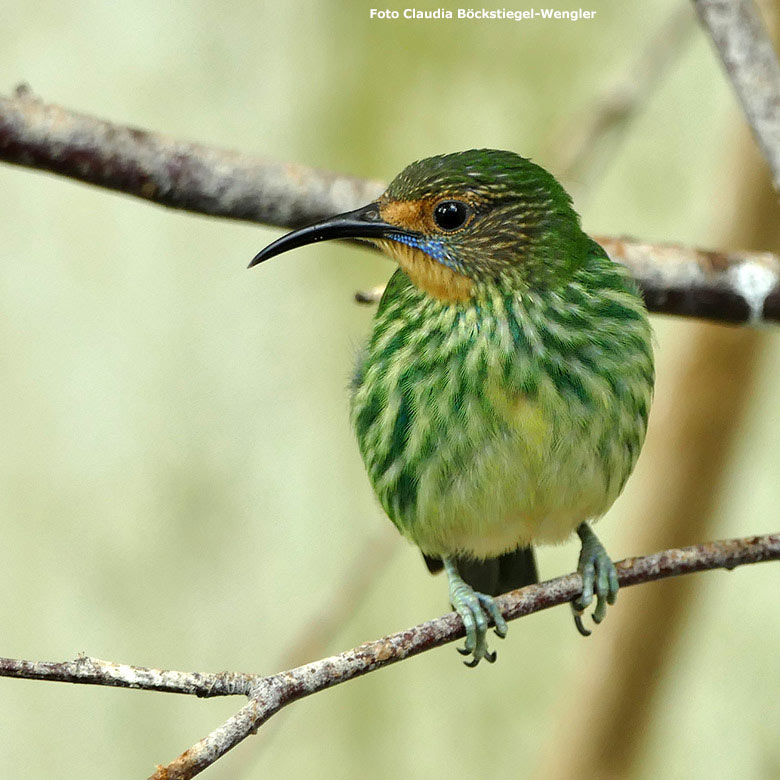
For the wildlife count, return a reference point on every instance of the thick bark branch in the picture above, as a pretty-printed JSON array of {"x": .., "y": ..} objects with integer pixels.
[
  {"x": 724, "y": 286},
  {"x": 750, "y": 61},
  {"x": 170, "y": 172},
  {"x": 267, "y": 695}
]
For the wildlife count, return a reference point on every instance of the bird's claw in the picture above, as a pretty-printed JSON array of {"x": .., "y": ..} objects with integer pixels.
[
  {"x": 599, "y": 577},
  {"x": 476, "y": 610},
  {"x": 578, "y": 622}
]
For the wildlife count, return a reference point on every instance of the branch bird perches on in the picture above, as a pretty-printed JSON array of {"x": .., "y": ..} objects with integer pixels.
[{"x": 268, "y": 695}]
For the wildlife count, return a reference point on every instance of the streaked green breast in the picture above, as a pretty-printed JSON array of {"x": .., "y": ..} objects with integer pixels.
[{"x": 507, "y": 419}]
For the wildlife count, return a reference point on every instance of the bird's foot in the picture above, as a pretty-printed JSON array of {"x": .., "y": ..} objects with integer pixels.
[
  {"x": 599, "y": 575},
  {"x": 476, "y": 611}
]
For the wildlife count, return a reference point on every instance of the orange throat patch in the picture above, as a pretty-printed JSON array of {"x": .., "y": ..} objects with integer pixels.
[{"x": 436, "y": 279}]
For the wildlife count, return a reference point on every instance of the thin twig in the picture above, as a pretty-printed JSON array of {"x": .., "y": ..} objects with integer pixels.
[
  {"x": 273, "y": 693},
  {"x": 751, "y": 63},
  {"x": 584, "y": 145},
  {"x": 724, "y": 286},
  {"x": 94, "y": 671},
  {"x": 267, "y": 695},
  {"x": 346, "y": 598}
]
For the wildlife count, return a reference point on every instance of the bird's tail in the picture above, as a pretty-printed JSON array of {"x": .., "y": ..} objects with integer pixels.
[{"x": 495, "y": 575}]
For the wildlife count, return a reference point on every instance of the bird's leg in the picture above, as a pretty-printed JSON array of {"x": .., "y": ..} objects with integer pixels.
[
  {"x": 598, "y": 574},
  {"x": 475, "y": 609}
]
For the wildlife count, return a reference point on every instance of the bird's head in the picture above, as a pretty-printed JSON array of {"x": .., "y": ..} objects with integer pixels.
[{"x": 460, "y": 222}]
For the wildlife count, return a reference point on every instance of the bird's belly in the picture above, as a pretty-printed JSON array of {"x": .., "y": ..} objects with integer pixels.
[
  {"x": 526, "y": 486},
  {"x": 500, "y": 472}
]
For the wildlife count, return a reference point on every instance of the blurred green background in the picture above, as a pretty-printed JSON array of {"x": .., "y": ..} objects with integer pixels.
[{"x": 179, "y": 486}]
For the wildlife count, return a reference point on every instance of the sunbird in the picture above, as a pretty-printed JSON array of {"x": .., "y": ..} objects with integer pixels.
[{"x": 502, "y": 398}]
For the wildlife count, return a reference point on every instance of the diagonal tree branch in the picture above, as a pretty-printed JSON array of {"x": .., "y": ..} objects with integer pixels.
[
  {"x": 750, "y": 61},
  {"x": 724, "y": 286},
  {"x": 273, "y": 693},
  {"x": 268, "y": 695}
]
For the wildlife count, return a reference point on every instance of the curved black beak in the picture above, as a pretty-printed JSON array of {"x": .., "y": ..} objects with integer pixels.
[{"x": 364, "y": 222}]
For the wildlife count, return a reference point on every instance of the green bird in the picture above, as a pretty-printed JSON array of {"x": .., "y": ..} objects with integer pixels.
[{"x": 502, "y": 398}]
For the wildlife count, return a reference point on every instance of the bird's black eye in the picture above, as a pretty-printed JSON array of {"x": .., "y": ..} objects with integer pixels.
[{"x": 450, "y": 214}]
